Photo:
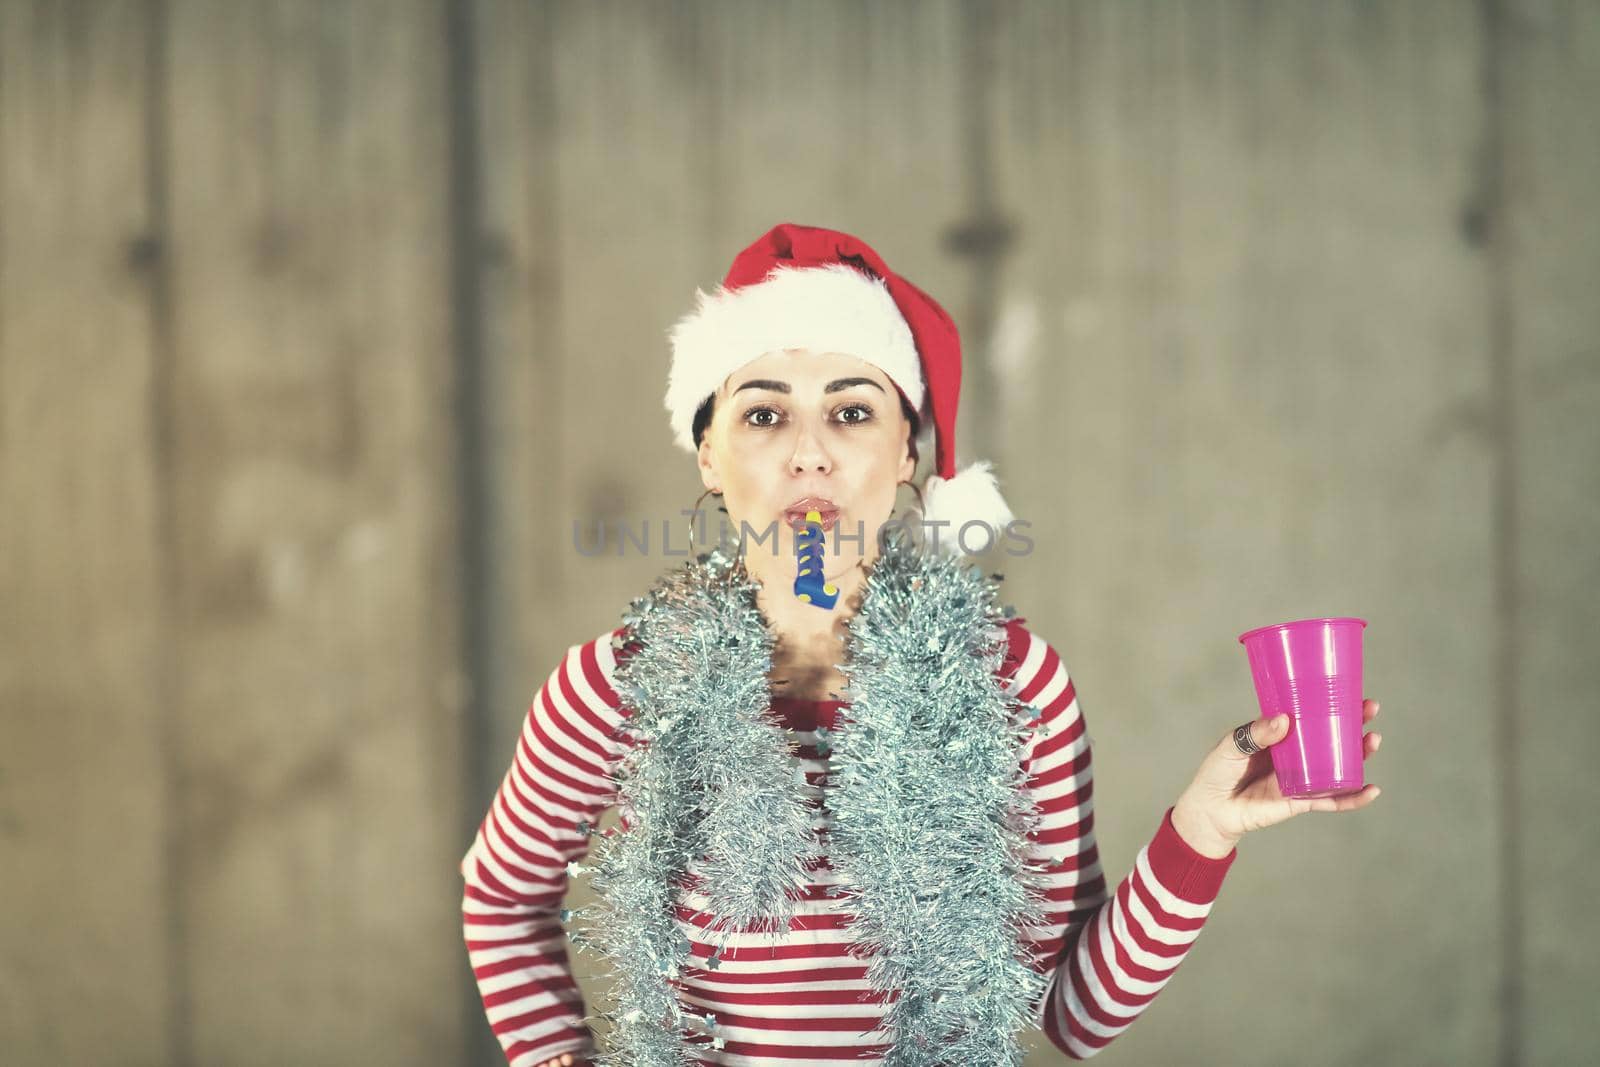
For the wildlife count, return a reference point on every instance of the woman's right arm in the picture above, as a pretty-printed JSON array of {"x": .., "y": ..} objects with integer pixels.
[
  {"x": 550, "y": 799},
  {"x": 1106, "y": 955}
]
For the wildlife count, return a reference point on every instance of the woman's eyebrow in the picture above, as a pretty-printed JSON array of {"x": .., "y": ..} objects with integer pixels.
[
  {"x": 834, "y": 386},
  {"x": 844, "y": 383}
]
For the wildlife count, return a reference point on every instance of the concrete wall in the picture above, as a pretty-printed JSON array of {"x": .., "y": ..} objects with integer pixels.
[{"x": 321, "y": 323}]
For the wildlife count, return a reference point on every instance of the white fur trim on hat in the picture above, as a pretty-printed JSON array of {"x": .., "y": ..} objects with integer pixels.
[
  {"x": 829, "y": 308},
  {"x": 972, "y": 494}
]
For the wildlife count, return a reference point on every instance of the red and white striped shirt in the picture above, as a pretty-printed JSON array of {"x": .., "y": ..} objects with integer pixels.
[{"x": 805, "y": 1001}]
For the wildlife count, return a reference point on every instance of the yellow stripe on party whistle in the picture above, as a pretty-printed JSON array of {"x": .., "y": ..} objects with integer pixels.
[{"x": 808, "y": 548}]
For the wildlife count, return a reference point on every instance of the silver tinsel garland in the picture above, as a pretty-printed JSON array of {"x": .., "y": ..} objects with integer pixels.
[{"x": 927, "y": 792}]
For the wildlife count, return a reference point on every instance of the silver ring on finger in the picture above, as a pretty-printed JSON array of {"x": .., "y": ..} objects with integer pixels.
[{"x": 1244, "y": 742}]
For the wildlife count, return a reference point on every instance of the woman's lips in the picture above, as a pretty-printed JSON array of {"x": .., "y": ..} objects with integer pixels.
[{"x": 796, "y": 518}]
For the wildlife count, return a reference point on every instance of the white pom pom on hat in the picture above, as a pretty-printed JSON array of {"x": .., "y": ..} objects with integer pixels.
[
  {"x": 954, "y": 502},
  {"x": 808, "y": 287}
]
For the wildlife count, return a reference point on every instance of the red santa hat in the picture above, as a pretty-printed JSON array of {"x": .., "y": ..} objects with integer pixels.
[{"x": 808, "y": 287}]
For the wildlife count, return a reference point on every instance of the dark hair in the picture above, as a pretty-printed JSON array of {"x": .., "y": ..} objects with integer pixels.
[{"x": 708, "y": 407}]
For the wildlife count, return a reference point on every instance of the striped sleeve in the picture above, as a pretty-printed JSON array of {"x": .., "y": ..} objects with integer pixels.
[
  {"x": 516, "y": 870},
  {"x": 1106, "y": 956}
]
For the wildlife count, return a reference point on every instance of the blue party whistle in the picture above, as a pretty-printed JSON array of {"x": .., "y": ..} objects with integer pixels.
[{"x": 809, "y": 584}]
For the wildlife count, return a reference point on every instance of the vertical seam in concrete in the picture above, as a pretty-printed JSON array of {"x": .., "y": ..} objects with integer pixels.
[
  {"x": 1502, "y": 403},
  {"x": 472, "y": 536},
  {"x": 544, "y": 192},
  {"x": 707, "y": 97},
  {"x": 156, "y": 257},
  {"x": 978, "y": 68},
  {"x": 983, "y": 236},
  {"x": 2, "y": 262}
]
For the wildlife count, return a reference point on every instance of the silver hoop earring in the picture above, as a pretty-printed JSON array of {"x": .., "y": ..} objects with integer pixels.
[
  {"x": 695, "y": 514},
  {"x": 921, "y": 507}
]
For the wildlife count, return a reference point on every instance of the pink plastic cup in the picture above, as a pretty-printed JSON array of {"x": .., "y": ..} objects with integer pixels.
[{"x": 1311, "y": 671}]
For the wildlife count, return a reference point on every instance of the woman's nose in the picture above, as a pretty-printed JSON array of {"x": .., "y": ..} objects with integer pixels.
[{"x": 809, "y": 454}]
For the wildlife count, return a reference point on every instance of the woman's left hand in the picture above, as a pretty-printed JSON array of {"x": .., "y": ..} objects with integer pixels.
[{"x": 1233, "y": 794}]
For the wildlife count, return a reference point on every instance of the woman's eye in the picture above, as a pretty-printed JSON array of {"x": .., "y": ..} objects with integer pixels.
[
  {"x": 753, "y": 412},
  {"x": 753, "y": 417}
]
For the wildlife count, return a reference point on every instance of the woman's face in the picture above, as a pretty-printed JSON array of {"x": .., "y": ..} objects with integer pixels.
[{"x": 796, "y": 426}]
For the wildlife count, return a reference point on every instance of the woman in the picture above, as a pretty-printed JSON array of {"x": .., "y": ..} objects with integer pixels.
[{"x": 928, "y": 883}]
